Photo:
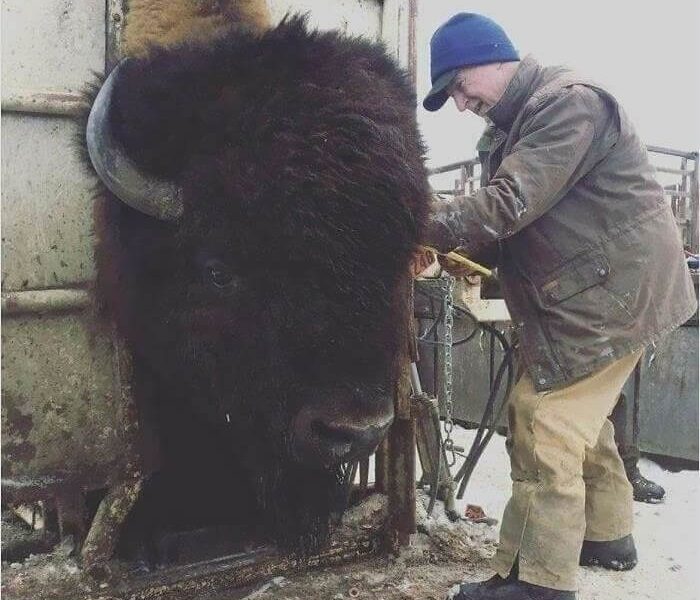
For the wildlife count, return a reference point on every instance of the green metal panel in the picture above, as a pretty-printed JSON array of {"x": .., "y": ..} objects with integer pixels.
[
  {"x": 668, "y": 398},
  {"x": 356, "y": 17},
  {"x": 47, "y": 220},
  {"x": 60, "y": 416},
  {"x": 51, "y": 44}
]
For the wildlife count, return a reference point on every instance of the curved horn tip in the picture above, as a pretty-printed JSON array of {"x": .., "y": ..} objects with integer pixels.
[{"x": 150, "y": 195}]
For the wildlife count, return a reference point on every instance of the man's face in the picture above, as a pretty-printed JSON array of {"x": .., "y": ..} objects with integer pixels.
[{"x": 478, "y": 88}]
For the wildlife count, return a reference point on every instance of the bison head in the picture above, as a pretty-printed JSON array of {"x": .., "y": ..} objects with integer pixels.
[{"x": 272, "y": 192}]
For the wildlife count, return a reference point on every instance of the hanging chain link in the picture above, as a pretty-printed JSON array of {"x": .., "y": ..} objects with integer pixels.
[
  {"x": 448, "y": 322},
  {"x": 444, "y": 286}
]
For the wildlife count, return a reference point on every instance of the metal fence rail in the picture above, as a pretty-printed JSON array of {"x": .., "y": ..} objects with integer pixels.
[{"x": 683, "y": 194}]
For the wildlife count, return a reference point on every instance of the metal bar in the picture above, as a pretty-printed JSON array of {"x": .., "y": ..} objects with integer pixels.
[
  {"x": 694, "y": 187},
  {"x": 103, "y": 535},
  {"x": 682, "y": 172},
  {"x": 218, "y": 577},
  {"x": 62, "y": 104},
  {"x": 684, "y": 186},
  {"x": 381, "y": 467},
  {"x": 402, "y": 483},
  {"x": 672, "y": 152},
  {"x": 402, "y": 393},
  {"x": 453, "y": 192},
  {"x": 453, "y": 166},
  {"x": 415, "y": 380},
  {"x": 412, "y": 46},
  {"x": 474, "y": 161},
  {"x": 44, "y": 301},
  {"x": 114, "y": 30},
  {"x": 402, "y": 437},
  {"x": 246, "y": 572},
  {"x": 678, "y": 193}
]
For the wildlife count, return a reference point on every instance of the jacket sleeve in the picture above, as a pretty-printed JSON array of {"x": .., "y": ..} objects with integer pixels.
[{"x": 559, "y": 142}]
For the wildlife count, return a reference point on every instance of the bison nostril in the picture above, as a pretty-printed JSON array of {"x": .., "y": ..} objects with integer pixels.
[
  {"x": 333, "y": 432},
  {"x": 323, "y": 437}
]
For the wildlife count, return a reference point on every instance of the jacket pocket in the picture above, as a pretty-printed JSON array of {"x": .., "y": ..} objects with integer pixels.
[{"x": 579, "y": 274}]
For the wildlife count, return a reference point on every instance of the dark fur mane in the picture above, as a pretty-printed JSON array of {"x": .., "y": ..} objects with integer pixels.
[{"x": 302, "y": 167}]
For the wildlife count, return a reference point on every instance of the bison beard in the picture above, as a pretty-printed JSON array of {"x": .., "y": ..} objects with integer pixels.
[{"x": 265, "y": 322}]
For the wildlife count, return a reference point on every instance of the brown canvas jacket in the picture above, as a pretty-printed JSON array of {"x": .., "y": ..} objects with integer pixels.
[{"x": 591, "y": 263}]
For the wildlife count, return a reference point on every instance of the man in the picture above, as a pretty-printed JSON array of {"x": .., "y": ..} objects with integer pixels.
[
  {"x": 625, "y": 415},
  {"x": 592, "y": 270}
]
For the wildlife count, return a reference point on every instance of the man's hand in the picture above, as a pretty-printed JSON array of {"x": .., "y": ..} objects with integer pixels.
[
  {"x": 440, "y": 234},
  {"x": 454, "y": 268}
]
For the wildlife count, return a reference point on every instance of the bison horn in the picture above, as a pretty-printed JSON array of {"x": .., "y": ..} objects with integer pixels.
[{"x": 158, "y": 198}]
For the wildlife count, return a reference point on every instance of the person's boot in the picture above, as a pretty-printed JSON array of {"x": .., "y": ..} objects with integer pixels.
[
  {"x": 643, "y": 489},
  {"x": 616, "y": 555},
  {"x": 469, "y": 589},
  {"x": 498, "y": 588}
]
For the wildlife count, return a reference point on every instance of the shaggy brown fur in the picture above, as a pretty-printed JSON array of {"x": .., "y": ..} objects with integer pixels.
[
  {"x": 167, "y": 23},
  {"x": 282, "y": 286}
]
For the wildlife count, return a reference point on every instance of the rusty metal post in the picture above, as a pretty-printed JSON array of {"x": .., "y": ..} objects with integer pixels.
[
  {"x": 103, "y": 535},
  {"x": 381, "y": 467},
  {"x": 412, "y": 48},
  {"x": 402, "y": 444},
  {"x": 402, "y": 490},
  {"x": 694, "y": 207},
  {"x": 402, "y": 436},
  {"x": 115, "y": 16}
]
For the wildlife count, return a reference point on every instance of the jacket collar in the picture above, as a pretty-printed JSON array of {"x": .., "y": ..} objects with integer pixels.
[{"x": 520, "y": 88}]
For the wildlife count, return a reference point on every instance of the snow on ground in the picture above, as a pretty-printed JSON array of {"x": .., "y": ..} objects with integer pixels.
[
  {"x": 667, "y": 535},
  {"x": 443, "y": 553}
]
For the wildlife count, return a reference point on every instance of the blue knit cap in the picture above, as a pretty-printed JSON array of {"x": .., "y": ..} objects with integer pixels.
[{"x": 467, "y": 39}]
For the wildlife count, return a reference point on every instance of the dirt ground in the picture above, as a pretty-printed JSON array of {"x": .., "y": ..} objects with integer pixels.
[
  {"x": 667, "y": 536},
  {"x": 439, "y": 555},
  {"x": 443, "y": 553}
]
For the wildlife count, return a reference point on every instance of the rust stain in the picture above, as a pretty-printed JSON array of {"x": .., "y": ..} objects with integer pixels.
[
  {"x": 19, "y": 452},
  {"x": 18, "y": 422}
]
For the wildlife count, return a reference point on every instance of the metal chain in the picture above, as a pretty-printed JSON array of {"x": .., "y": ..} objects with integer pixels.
[
  {"x": 448, "y": 322},
  {"x": 445, "y": 287}
]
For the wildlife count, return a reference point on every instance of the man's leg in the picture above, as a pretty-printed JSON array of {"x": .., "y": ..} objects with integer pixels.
[
  {"x": 544, "y": 521},
  {"x": 608, "y": 492},
  {"x": 622, "y": 418},
  {"x": 625, "y": 418},
  {"x": 608, "y": 539}
]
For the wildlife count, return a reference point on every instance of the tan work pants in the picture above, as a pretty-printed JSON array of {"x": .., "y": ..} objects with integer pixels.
[{"x": 569, "y": 483}]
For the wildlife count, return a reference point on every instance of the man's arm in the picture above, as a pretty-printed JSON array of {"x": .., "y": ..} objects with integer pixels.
[{"x": 560, "y": 142}]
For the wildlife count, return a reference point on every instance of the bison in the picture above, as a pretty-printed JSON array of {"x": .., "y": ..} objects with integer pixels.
[{"x": 263, "y": 193}]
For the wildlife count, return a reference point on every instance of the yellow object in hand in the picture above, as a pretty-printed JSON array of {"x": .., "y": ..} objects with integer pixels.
[{"x": 461, "y": 261}]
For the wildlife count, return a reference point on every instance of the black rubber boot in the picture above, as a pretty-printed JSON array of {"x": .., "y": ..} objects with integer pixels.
[
  {"x": 643, "y": 489},
  {"x": 617, "y": 555},
  {"x": 497, "y": 588},
  {"x": 477, "y": 589}
]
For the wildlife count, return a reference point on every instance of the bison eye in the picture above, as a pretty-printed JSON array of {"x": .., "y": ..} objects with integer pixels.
[{"x": 219, "y": 273}]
